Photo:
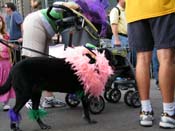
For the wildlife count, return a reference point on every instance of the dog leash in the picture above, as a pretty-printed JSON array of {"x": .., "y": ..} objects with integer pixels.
[
  {"x": 88, "y": 46},
  {"x": 19, "y": 47}
]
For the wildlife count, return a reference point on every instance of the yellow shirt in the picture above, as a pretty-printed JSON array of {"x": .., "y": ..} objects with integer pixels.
[
  {"x": 119, "y": 20},
  {"x": 143, "y": 9}
]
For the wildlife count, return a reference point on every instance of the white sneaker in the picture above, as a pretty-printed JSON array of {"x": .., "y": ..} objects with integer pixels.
[
  {"x": 29, "y": 105},
  {"x": 53, "y": 102},
  {"x": 146, "y": 118},
  {"x": 167, "y": 121},
  {"x": 6, "y": 107}
]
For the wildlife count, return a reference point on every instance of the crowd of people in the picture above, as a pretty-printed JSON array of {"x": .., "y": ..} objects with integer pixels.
[{"x": 147, "y": 29}]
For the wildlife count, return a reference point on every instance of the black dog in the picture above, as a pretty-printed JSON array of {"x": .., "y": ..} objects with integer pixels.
[{"x": 31, "y": 76}]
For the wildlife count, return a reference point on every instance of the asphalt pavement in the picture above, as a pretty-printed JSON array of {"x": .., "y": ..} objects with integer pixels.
[{"x": 114, "y": 117}]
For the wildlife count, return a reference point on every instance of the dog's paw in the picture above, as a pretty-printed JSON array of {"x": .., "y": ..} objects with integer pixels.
[
  {"x": 17, "y": 129},
  {"x": 89, "y": 120},
  {"x": 45, "y": 127}
]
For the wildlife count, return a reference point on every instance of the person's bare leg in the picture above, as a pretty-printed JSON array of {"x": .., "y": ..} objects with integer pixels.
[
  {"x": 166, "y": 78},
  {"x": 143, "y": 74},
  {"x": 166, "y": 74},
  {"x": 51, "y": 101},
  {"x": 48, "y": 94},
  {"x": 143, "y": 82}
]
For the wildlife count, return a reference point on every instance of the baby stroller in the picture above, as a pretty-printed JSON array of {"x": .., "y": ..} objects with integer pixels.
[
  {"x": 77, "y": 30},
  {"x": 122, "y": 79}
]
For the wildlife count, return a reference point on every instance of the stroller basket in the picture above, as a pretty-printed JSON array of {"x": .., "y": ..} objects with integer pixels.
[{"x": 120, "y": 51}]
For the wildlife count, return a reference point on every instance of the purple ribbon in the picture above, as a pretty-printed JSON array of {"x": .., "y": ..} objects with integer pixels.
[{"x": 14, "y": 117}]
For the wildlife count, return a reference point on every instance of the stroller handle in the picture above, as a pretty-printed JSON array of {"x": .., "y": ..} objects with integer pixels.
[{"x": 70, "y": 19}]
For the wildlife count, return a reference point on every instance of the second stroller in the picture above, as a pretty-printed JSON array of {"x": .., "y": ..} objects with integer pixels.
[{"x": 122, "y": 79}]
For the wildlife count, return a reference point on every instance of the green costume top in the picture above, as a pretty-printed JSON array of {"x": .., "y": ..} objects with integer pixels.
[{"x": 55, "y": 14}]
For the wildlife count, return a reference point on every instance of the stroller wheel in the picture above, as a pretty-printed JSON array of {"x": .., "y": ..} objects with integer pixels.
[
  {"x": 97, "y": 105},
  {"x": 115, "y": 95},
  {"x": 135, "y": 100},
  {"x": 106, "y": 95},
  {"x": 72, "y": 100},
  {"x": 127, "y": 97}
]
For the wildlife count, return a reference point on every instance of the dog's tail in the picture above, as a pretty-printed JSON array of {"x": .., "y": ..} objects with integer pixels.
[{"x": 7, "y": 85}]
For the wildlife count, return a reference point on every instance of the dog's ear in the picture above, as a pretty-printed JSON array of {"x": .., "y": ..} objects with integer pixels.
[
  {"x": 109, "y": 56},
  {"x": 92, "y": 60},
  {"x": 108, "y": 53},
  {"x": 100, "y": 50}
]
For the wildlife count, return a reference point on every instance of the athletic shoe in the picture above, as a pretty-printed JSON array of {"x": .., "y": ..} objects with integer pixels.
[
  {"x": 167, "y": 121},
  {"x": 146, "y": 118},
  {"x": 29, "y": 105},
  {"x": 6, "y": 107},
  {"x": 52, "y": 103}
]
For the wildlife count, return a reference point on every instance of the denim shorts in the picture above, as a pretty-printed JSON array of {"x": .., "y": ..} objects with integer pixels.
[{"x": 158, "y": 32}]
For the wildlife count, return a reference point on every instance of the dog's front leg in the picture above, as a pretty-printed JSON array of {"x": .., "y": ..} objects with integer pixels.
[
  {"x": 37, "y": 112},
  {"x": 42, "y": 125},
  {"x": 15, "y": 119},
  {"x": 86, "y": 106}
]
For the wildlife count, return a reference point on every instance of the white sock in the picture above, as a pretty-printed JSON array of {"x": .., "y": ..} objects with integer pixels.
[
  {"x": 169, "y": 108},
  {"x": 146, "y": 105}
]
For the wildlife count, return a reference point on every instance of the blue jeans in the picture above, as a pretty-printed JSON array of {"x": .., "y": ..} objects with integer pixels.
[
  {"x": 124, "y": 44},
  {"x": 155, "y": 64},
  {"x": 123, "y": 39}
]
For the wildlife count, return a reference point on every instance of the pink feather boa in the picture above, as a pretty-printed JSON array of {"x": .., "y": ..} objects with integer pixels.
[{"x": 92, "y": 76}]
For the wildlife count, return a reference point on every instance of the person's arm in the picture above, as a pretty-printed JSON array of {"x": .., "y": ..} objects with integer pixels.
[
  {"x": 35, "y": 3},
  {"x": 114, "y": 28},
  {"x": 114, "y": 20},
  {"x": 20, "y": 39},
  {"x": 19, "y": 20}
]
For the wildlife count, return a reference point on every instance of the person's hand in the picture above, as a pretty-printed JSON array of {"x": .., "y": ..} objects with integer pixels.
[
  {"x": 20, "y": 40},
  {"x": 35, "y": 3},
  {"x": 14, "y": 46}
]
